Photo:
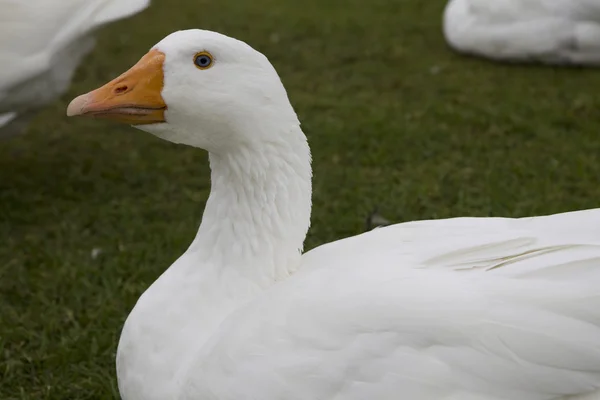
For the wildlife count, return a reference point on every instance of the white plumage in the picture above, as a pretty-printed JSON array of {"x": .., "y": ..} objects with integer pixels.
[
  {"x": 547, "y": 31},
  {"x": 41, "y": 44},
  {"x": 456, "y": 309}
]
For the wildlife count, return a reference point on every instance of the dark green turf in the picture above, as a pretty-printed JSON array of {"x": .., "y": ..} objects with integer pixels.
[{"x": 394, "y": 119}]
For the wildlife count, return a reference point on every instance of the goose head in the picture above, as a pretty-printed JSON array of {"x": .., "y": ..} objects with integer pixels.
[
  {"x": 207, "y": 90},
  {"x": 199, "y": 88}
]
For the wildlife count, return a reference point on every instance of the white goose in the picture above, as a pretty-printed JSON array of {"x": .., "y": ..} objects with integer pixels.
[
  {"x": 547, "y": 31},
  {"x": 460, "y": 309},
  {"x": 41, "y": 44}
]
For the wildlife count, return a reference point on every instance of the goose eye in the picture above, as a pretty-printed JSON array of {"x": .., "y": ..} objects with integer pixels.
[{"x": 203, "y": 60}]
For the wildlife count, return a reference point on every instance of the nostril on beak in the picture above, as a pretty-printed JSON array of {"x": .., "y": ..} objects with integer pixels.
[{"x": 121, "y": 89}]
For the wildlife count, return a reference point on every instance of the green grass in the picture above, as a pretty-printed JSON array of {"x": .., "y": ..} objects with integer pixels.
[{"x": 394, "y": 118}]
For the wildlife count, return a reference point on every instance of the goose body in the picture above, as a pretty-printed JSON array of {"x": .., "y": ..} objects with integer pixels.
[
  {"x": 41, "y": 44},
  {"x": 546, "y": 31},
  {"x": 456, "y": 309}
]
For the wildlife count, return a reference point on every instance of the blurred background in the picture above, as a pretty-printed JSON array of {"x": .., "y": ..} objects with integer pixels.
[{"x": 92, "y": 212}]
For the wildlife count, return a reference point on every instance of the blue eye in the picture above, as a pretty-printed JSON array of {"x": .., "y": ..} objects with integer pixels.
[{"x": 203, "y": 60}]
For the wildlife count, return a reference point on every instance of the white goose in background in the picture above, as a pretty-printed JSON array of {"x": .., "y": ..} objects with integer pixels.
[
  {"x": 546, "y": 31},
  {"x": 41, "y": 44},
  {"x": 456, "y": 309}
]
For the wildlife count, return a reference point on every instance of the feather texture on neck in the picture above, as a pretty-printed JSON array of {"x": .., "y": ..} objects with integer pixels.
[{"x": 258, "y": 212}]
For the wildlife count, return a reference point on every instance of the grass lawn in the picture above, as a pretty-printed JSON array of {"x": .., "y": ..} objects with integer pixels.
[{"x": 92, "y": 212}]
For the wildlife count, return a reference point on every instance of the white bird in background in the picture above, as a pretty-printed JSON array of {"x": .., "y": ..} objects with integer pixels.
[
  {"x": 547, "y": 31},
  {"x": 41, "y": 44},
  {"x": 455, "y": 309}
]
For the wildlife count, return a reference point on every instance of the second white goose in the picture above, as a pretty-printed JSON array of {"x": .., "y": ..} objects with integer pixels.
[
  {"x": 41, "y": 44},
  {"x": 546, "y": 31}
]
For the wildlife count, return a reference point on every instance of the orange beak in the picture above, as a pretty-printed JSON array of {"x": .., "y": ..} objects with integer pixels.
[{"x": 133, "y": 98}]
